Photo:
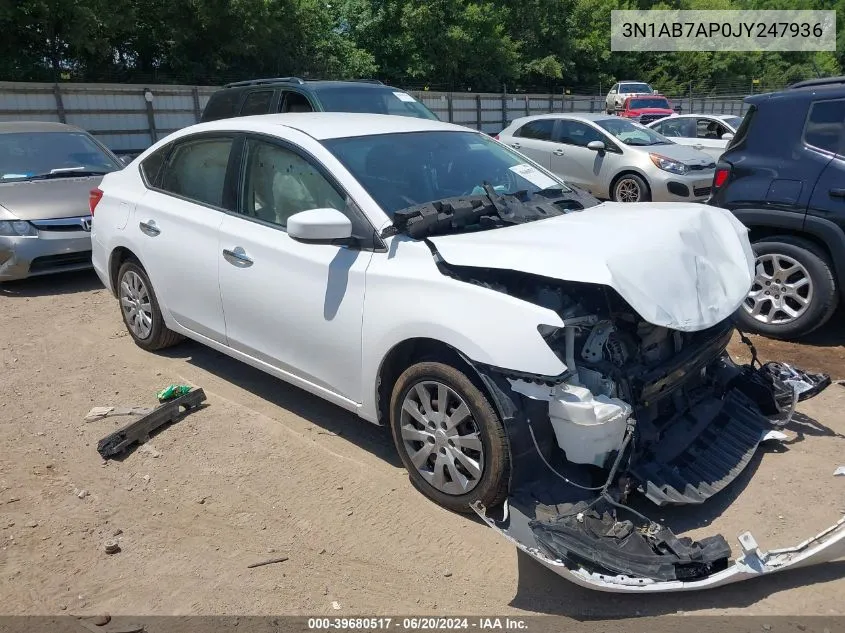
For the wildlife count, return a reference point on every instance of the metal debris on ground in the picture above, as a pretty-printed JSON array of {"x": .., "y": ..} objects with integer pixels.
[
  {"x": 839, "y": 472},
  {"x": 271, "y": 561},
  {"x": 111, "y": 546},
  {"x": 138, "y": 430}
]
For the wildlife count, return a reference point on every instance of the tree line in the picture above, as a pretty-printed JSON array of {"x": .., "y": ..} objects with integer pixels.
[{"x": 480, "y": 45}]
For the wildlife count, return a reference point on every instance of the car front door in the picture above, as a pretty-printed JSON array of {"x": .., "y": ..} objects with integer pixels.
[
  {"x": 534, "y": 139},
  {"x": 294, "y": 306},
  {"x": 576, "y": 163},
  {"x": 177, "y": 222}
]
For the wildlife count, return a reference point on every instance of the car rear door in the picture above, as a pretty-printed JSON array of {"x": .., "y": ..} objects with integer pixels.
[
  {"x": 535, "y": 140},
  {"x": 292, "y": 306},
  {"x": 176, "y": 224},
  {"x": 824, "y": 137}
]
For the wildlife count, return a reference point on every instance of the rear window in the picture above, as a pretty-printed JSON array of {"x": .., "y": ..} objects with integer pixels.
[
  {"x": 221, "y": 105},
  {"x": 634, "y": 88},
  {"x": 742, "y": 130},
  {"x": 824, "y": 125},
  {"x": 372, "y": 100}
]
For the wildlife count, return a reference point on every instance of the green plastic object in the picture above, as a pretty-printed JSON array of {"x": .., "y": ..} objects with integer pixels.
[{"x": 172, "y": 391}]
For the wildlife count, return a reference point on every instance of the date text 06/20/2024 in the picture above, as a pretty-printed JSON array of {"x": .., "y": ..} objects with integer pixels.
[{"x": 416, "y": 624}]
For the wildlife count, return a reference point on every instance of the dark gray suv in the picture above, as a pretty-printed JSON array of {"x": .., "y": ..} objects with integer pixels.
[{"x": 292, "y": 94}]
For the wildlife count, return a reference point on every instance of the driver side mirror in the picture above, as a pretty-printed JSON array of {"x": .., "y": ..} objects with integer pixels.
[
  {"x": 319, "y": 226},
  {"x": 612, "y": 92},
  {"x": 596, "y": 146},
  {"x": 727, "y": 136}
]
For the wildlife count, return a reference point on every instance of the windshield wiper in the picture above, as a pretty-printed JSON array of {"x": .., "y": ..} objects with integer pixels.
[
  {"x": 68, "y": 172},
  {"x": 478, "y": 212}
]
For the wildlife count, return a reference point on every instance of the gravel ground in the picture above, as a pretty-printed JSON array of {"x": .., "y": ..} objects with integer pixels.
[{"x": 267, "y": 471}]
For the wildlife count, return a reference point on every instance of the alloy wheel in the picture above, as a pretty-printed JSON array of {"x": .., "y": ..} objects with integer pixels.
[
  {"x": 782, "y": 290},
  {"x": 135, "y": 303},
  {"x": 442, "y": 438},
  {"x": 628, "y": 190}
]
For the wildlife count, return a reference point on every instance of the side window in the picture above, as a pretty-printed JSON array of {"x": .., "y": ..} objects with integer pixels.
[
  {"x": 196, "y": 169},
  {"x": 539, "y": 130},
  {"x": 257, "y": 102},
  {"x": 676, "y": 128},
  {"x": 151, "y": 165},
  {"x": 295, "y": 102},
  {"x": 279, "y": 183},
  {"x": 579, "y": 134},
  {"x": 615, "y": 88},
  {"x": 824, "y": 125},
  {"x": 222, "y": 104},
  {"x": 709, "y": 128}
]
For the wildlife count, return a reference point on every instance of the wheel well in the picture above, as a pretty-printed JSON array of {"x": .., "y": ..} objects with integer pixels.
[
  {"x": 118, "y": 256},
  {"x": 626, "y": 173},
  {"x": 410, "y": 352},
  {"x": 759, "y": 233}
]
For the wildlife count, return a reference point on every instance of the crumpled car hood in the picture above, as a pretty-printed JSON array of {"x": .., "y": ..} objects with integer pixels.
[{"x": 683, "y": 266}]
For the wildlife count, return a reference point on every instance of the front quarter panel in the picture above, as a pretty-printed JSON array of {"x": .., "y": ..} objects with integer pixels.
[{"x": 408, "y": 297}]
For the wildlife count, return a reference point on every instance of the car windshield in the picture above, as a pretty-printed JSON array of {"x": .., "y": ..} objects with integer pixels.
[
  {"x": 733, "y": 121},
  {"x": 32, "y": 155},
  {"x": 632, "y": 133},
  {"x": 653, "y": 102},
  {"x": 408, "y": 169},
  {"x": 634, "y": 88},
  {"x": 366, "y": 99}
]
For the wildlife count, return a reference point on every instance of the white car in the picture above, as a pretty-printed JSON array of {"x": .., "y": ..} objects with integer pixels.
[
  {"x": 620, "y": 91},
  {"x": 709, "y": 133},
  {"x": 504, "y": 326}
]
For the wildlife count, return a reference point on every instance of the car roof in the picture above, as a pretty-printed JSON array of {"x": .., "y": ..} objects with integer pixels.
[
  {"x": 330, "y": 125},
  {"x": 8, "y": 127},
  {"x": 709, "y": 116},
  {"x": 578, "y": 116},
  {"x": 318, "y": 84}
]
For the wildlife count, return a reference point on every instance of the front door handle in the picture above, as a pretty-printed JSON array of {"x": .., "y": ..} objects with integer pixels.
[
  {"x": 515, "y": 145},
  {"x": 237, "y": 257},
  {"x": 837, "y": 193},
  {"x": 557, "y": 152},
  {"x": 149, "y": 227}
]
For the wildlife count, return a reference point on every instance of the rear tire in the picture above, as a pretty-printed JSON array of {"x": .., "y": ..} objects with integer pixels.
[
  {"x": 456, "y": 451},
  {"x": 140, "y": 310},
  {"x": 794, "y": 291}
]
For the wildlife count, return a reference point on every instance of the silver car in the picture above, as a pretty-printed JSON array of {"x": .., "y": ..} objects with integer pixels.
[
  {"x": 612, "y": 157},
  {"x": 47, "y": 171}
]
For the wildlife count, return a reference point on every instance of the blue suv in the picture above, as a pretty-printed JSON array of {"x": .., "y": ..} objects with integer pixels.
[{"x": 783, "y": 176}]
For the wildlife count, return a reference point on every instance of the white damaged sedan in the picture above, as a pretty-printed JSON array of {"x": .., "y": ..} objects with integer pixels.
[{"x": 541, "y": 359}]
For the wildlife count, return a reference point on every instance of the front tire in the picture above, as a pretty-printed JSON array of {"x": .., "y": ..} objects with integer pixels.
[
  {"x": 794, "y": 289},
  {"x": 630, "y": 188},
  {"x": 140, "y": 310},
  {"x": 449, "y": 437}
]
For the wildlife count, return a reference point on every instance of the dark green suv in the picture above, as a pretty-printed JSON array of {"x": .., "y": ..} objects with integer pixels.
[{"x": 292, "y": 94}]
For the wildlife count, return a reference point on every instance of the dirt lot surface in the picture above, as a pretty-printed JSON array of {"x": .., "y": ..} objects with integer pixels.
[{"x": 266, "y": 470}]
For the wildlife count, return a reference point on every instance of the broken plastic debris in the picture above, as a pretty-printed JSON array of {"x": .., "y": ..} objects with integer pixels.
[
  {"x": 172, "y": 391},
  {"x": 773, "y": 436},
  {"x": 839, "y": 472}
]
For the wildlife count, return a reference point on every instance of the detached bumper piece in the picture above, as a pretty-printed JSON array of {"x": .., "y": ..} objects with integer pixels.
[
  {"x": 702, "y": 452},
  {"x": 619, "y": 547},
  {"x": 137, "y": 431}
]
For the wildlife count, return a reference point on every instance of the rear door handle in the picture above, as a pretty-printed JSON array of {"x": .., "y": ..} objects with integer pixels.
[
  {"x": 149, "y": 227},
  {"x": 557, "y": 152},
  {"x": 837, "y": 193},
  {"x": 237, "y": 257}
]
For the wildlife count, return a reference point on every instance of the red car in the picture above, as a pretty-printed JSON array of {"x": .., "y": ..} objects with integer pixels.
[{"x": 646, "y": 109}]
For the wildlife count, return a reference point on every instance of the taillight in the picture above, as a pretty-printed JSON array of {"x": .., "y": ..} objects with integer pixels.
[
  {"x": 721, "y": 176},
  {"x": 94, "y": 197}
]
